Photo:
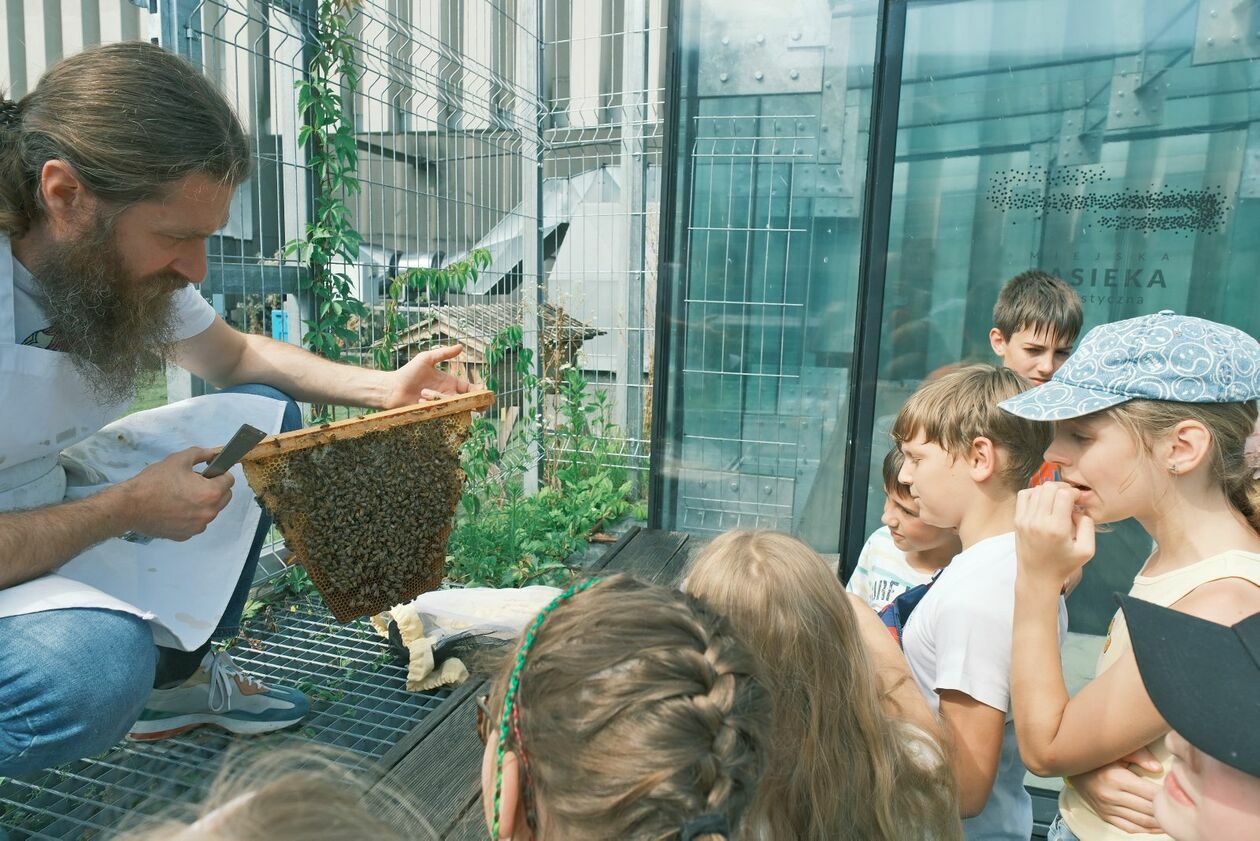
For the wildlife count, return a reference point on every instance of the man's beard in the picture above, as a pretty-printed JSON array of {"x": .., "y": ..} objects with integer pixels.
[{"x": 116, "y": 327}]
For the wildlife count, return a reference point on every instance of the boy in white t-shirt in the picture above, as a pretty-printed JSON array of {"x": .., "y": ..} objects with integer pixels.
[
  {"x": 965, "y": 461},
  {"x": 905, "y": 552}
]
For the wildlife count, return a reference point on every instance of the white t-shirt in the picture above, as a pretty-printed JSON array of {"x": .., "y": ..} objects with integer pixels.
[
  {"x": 882, "y": 573},
  {"x": 959, "y": 638},
  {"x": 193, "y": 313}
]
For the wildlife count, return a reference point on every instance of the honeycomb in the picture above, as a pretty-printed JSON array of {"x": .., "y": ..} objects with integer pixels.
[{"x": 367, "y": 509}]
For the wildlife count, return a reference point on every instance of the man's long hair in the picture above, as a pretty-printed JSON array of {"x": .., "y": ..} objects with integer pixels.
[{"x": 131, "y": 118}]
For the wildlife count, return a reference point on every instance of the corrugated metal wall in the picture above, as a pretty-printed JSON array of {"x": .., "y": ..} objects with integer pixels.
[{"x": 37, "y": 33}]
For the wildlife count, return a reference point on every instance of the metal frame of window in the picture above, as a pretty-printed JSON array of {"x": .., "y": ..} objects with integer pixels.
[
  {"x": 667, "y": 394},
  {"x": 872, "y": 271}
]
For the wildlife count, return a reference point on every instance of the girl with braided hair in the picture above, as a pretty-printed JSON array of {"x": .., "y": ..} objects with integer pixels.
[
  {"x": 628, "y": 711},
  {"x": 855, "y": 752}
]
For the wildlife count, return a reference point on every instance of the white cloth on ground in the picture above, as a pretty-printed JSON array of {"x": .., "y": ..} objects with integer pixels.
[{"x": 433, "y": 617}]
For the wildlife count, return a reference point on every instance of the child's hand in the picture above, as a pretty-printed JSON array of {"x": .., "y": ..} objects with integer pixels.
[
  {"x": 1053, "y": 539},
  {"x": 1121, "y": 796}
]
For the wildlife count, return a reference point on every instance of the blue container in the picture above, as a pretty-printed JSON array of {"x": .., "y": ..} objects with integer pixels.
[{"x": 280, "y": 325}]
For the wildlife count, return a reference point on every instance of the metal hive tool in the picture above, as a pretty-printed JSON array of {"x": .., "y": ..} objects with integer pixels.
[{"x": 366, "y": 504}]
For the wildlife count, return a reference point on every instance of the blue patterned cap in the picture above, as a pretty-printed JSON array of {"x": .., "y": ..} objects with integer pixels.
[{"x": 1153, "y": 357}]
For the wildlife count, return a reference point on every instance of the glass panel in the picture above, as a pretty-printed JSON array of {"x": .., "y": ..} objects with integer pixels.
[
  {"x": 1112, "y": 142},
  {"x": 772, "y": 155}
]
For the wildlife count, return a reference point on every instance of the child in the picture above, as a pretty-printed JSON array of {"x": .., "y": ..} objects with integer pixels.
[
  {"x": 289, "y": 794},
  {"x": 1036, "y": 320},
  {"x": 1205, "y": 681},
  {"x": 841, "y": 765},
  {"x": 965, "y": 461},
  {"x": 905, "y": 552},
  {"x": 1126, "y": 447},
  {"x": 629, "y": 711}
]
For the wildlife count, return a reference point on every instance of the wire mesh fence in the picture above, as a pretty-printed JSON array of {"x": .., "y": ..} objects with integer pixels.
[
  {"x": 529, "y": 131},
  {"x": 525, "y": 130},
  {"x": 444, "y": 135},
  {"x": 603, "y": 141}
]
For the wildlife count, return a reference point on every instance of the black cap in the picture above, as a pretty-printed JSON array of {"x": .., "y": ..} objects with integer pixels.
[{"x": 1204, "y": 678}]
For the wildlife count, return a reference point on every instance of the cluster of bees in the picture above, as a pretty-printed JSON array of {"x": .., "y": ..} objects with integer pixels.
[{"x": 369, "y": 517}]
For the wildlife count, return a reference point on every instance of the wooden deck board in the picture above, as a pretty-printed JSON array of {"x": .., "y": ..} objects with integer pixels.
[
  {"x": 671, "y": 574},
  {"x": 472, "y": 826},
  {"x": 441, "y": 774},
  {"x": 648, "y": 554}
]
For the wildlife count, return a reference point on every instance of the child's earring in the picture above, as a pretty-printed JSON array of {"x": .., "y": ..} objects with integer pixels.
[{"x": 1172, "y": 468}]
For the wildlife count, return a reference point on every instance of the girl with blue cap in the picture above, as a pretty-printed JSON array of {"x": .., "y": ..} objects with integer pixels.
[{"x": 1153, "y": 419}]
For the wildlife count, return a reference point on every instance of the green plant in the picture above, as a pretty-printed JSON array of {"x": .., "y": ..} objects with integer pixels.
[
  {"x": 325, "y": 100},
  {"x": 505, "y": 538},
  {"x": 427, "y": 283}
]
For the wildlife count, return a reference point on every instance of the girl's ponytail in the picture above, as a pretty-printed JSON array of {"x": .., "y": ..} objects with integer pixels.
[{"x": 1247, "y": 495}]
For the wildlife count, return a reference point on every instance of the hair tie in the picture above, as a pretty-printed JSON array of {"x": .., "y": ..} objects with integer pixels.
[
  {"x": 10, "y": 113},
  {"x": 709, "y": 824}
]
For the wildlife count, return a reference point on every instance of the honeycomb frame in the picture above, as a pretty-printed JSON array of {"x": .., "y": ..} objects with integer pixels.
[{"x": 366, "y": 552}]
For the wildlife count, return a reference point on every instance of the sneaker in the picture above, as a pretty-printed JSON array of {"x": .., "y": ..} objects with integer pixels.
[{"x": 219, "y": 693}]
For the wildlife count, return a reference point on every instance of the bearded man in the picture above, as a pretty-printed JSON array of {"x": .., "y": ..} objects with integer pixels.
[{"x": 114, "y": 172}]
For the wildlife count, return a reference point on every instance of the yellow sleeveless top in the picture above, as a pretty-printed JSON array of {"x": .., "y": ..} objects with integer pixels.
[{"x": 1165, "y": 590}]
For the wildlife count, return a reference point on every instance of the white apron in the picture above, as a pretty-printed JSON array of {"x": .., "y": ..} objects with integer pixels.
[{"x": 55, "y": 446}]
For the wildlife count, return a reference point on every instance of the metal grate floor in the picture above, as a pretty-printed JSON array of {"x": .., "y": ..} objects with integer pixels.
[{"x": 358, "y": 705}]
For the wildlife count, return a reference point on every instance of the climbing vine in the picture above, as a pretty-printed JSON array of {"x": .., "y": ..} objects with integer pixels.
[
  {"x": 425, "y": 284},
  {"x": 330, "y": 242}
]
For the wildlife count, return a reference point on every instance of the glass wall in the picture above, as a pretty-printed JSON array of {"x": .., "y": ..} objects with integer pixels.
[
  {"x": 1115, "y": 143},
  {"x": 1112, "y": 142},
  {"x": 771, "y": 139}
]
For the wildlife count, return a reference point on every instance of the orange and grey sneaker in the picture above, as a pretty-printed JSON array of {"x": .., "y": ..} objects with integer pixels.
[{"x": 219, "y": 694}]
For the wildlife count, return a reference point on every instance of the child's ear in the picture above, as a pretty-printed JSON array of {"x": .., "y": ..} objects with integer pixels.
[
  {"x": 1187, "y": 446},
  {"x": 982, "y": 461},
  {"x": 512, "y": 822},
  {"x": 998, "y": 342}
]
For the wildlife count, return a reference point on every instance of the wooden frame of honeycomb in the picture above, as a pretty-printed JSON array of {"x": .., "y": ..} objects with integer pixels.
[{"x": 366, "y": 505}]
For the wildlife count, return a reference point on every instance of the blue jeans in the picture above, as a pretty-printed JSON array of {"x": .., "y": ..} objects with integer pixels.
[
  {"x": 1059, "y": 831},
  {"x": 230, "y": 622},
  {"x": 73, "y": 681}
]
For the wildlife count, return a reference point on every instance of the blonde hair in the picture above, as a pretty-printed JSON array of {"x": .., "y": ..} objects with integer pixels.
[
  {"x": 639, "y": 711},
  {"x": 310, "y": 793},
  {"x": 840, "y": 766},
  {"x": 1229, "y": 424},
  {"x": 960, "y": 407},
  {"x": 131, "y": 118}
]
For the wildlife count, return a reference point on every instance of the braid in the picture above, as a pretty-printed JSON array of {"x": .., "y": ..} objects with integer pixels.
[
  {"x": 635, "y": 715},
  {"x": 729, "y": 771}
]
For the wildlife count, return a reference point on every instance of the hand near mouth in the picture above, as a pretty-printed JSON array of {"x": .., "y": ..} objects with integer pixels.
[{"x": 1054, "y": 537}]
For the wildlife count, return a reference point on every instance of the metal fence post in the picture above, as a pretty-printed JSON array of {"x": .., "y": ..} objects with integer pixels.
[
  {"x": 170, "y": 23},
  {"x": 634, "y": 83},
  {"x": 529, "y": 75}
]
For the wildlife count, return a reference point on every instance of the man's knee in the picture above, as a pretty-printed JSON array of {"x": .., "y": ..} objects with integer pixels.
[{"x": 72, "y": 682}]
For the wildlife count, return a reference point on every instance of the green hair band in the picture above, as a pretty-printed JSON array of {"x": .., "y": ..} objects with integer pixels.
[{"x": 514, "y": 682}]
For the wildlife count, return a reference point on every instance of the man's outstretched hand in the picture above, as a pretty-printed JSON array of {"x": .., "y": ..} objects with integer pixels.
[{"x": 420, "y": 379}]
